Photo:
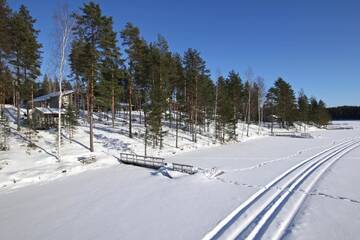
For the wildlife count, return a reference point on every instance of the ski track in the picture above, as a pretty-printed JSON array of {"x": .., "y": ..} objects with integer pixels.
[
  {"x": 265, "y": 163},
  {"x": 240, "y": 224}
]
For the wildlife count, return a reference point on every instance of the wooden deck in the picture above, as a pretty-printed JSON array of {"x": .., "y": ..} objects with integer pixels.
[{"x": 155, "y": 163}]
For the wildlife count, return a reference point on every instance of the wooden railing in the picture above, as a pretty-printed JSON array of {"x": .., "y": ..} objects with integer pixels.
[
  {"x": 155, "y": 163},
  {"x": 292, "y": 134},
  {"x": 144, "y": 161},
  {"x": 184, "y": 168}
]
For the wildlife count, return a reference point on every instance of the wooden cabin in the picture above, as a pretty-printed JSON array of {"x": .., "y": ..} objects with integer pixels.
[{"x": 45, "y": 118}]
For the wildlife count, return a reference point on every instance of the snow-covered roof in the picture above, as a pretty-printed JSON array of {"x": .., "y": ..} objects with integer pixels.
[
  {"x": 49, "y": 110},
  {"x": 53, "y": 94}
]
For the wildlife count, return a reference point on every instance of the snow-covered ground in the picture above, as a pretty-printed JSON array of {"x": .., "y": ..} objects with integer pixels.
[
  {"x": 334, "y": 204},
  {"x": 23, "y": 165},
  {"x": 126, "y": 202}
]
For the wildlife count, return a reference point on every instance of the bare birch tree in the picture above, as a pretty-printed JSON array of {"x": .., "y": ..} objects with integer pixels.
[
  {"x": 63, "y": 32},
  {"x": 261, "y": 95},
  {"x": 249, "y": 78}
]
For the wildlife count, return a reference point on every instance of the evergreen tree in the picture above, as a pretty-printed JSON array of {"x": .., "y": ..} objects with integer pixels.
[
  {"x": 25, "y": 56},
  {"x": 303, "y": 105},
  {"x": 284, "y": 101},
  {"x": 88, "y": 32},
  {"x": 206, "y": 102},
  {"x": 5, "y": 48},
  {"x": 46, "y": 85},
  {"x": 137, "y": 76},
  {"x": 224, "y": 110},
  {"x": 4, "y": 132},
  {"x": 313, "y": 110},
  {"x": 70, "y": 121},
  {"x": 111, "y": 69},
  {"x": 234, "y": 87},
  {"x": 77, "y": 72},
  {"x": 318, "y": 113},
  {"x": 324, "y": 116},
  {"x": 194, "y": 71},
  {"x": 66, "y": 85},
  {"x": 177, "y": 97},
  {"x": 160, "y": 88}
]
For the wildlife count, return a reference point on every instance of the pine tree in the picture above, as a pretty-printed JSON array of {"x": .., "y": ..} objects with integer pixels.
[
  {"x": 77, "y": 72},
  {"x": 234, "y": 87},
  {"x": 313, "y": 110},
  {"x": 324, "y": 116},
  {"x": 25, "y": 56},
  {"x": 46, "y": 85},
  {"x": 88, "y": 33},
  {"x": 137, "y": 76},
  {"x": 66, "y": 85},
  {"x": 5, "y": 49},
  {"x": 176, "y": 92},
  {"x": 159, "y": 59},
  {"x": 318, "y": 114},
  {"x": 4, "y": 132},
  {"x": 303, "y": 107},
  {"x": 70, "y": 121},
  {"x": 225, "y": 111},
  {"x": 194, "y": 71},
  {"x": 206, "y": 102},
  {"x": 111, "y": 69},
  {"x": 284, "y": 101}
]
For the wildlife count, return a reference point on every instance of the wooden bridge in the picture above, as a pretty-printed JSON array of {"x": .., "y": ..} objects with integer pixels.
[
  {"x": 292, "y": 134},
  {"x": 155, "y": 163}
]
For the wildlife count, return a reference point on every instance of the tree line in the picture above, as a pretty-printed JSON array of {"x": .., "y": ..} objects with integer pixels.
[
  {"x": 345, "y": 113},
  {"x": 164, "y": 87}
]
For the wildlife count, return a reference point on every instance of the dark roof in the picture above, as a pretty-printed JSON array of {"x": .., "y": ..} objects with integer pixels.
[{"x": 51, "y": 95}]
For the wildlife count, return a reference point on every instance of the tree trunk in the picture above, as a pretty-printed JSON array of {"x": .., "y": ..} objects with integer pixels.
[
  {"x": 14, "y": 95},
  {"x": 90, "y": 107},
  {"x": 249, "y": 112},
  {"x": 32, "y": 97},
  {"x": 17, "y": 98},
  {"x": 177, "y": 128},
  {"x": 259, "y": 116},
  {"x": 196, "y": 108},
  {"x": 113, "y": 107},
  {"x": 215, "y": 113},
  {"x": 146, "y": 133},
  {"x": 139, "y": 108},
  {"x": 88, "y": 104},
  {"x": 130, "y": 106}
]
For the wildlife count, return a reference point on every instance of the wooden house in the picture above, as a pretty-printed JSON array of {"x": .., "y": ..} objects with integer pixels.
[{"x": 45, "y": 118}]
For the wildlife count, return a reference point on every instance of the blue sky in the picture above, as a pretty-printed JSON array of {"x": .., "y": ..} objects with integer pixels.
[{"x": 314, "y": 45}]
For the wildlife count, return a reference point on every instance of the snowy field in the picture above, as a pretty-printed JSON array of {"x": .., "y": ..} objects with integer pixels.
[{"x": 117, "y": 201}]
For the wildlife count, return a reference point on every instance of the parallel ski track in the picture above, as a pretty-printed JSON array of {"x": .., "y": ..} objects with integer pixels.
[{"x": 255, "y": 224}]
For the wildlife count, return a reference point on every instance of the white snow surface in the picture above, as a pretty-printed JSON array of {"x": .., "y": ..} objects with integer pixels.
[
  {"x": 117, "y": 201},
  {"x": 23, "y": 165}
]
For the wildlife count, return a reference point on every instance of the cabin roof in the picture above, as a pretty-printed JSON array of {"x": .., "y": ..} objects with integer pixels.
[
  {"x": 49, "y": 111},
  {"x": 51, "y": 95}
]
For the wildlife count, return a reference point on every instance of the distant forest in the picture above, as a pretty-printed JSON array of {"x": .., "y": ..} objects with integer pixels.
[{"x": 345, "y": 113}]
